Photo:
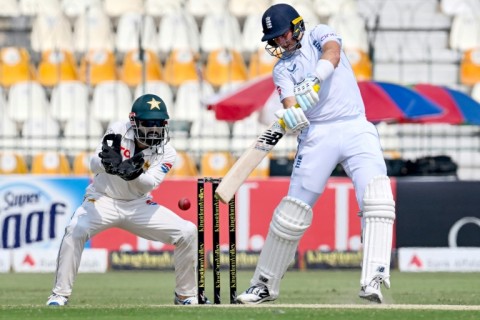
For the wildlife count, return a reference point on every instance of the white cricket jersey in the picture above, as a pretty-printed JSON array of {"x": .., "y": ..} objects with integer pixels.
[
  {"x": 157, "y": 164},
  {"x": 339, "y": 94}
]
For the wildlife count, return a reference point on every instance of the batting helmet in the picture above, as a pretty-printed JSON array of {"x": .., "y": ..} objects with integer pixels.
[{"x": 149, "y": 120}]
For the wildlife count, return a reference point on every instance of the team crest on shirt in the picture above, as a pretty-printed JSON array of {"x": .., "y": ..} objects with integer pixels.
[
  {"x": 166, "y": 167},
  {"x": 293, "y": 68}
]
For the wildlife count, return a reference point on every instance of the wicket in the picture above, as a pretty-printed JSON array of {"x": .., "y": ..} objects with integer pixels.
[{"x": 232, "y": 249}]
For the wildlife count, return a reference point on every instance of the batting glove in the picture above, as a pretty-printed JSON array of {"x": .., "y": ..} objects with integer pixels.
[
  {"x": 110, "y": 154},
  {"x": 305, "y": 93},
  {"x": 294, "y": 118}
]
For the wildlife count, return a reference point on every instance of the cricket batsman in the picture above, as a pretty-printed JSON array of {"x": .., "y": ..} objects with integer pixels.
[{"x": 333, "y": 129}]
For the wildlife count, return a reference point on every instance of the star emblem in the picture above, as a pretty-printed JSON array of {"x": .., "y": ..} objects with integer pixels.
[{"x": 154, "y": 104}]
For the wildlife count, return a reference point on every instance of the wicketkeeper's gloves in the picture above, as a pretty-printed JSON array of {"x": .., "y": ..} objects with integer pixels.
[{"x": 110, "y": 154}]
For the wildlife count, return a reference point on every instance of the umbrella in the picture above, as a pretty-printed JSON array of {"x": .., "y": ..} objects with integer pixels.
[
  {"x": 383, "y": 101},
  {"x": 459, "y": 108},
  {"x": 243, "y": 101},
  {"x": 388, "y": 101}
]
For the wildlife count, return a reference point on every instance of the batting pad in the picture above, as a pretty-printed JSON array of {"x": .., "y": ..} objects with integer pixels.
[
  {"x": 289, "y": 222},
  {"x": 378, "y": 215}
]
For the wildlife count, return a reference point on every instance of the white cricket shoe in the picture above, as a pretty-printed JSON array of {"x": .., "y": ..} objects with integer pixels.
[
  {"x": 255, "y": 294},
  {"x": 189, "y": 300},
  {"x": 372, "y": 292},
  {"x": 57, "y": 300}
]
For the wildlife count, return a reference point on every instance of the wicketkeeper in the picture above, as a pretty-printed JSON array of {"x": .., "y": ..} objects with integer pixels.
[
  {"x": 132, "y": 160},
  {"x": 332, "y": 130}
]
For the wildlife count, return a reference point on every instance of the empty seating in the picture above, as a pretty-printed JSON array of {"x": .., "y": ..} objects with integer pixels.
[
  {"x": 178, "y": 30},
  {"x": 56, "y": 66},
  {"x": 12, "y": 163},
  {"x": 225, "y": 66},
  {"x": 15, "y": 66},
  {"x": 81, "y": 135},
  {"x": 361, "y": 64},
  {"x": 112, "y": 101},
  {"x": 137, "y": 68},
  {"x": 470, "y": 67},
  {"x": 93, "y": 30},
  {"x": 69, "y": 100},
  {"x": 351, "y": 27},
  {"x": 220, "y": 31},
  {"x": 261, "y": 63},
  {"x": 27, "y": 100},
  {"x": 189, "y": 101},
  {"x": 81, "y": 163},
  {"x": 161, "y": 8},
  {"x": 216, "y": 164},
  {"x": 158, "y": 87},
  {"x": 201, "y": 8},
  {"x": 465, "y": 32},
  {"x": 40, "y": 134},
  {"x": 184, "y": 166},
  {"x": 208, "y": 133},
  {"x": 51, "y": 31},
  {"x": 116, "y": 8},
  {"x": 180, "y": 67},
  {"x": 97, "y": 66},
  {"x": 131, "y": 26},
  {"x": 50, "y": 163}
]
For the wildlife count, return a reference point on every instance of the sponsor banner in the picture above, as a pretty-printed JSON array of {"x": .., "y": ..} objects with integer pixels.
[
  {"x": 333, "y": 260},
  {"x": 141, "y": 260},
  {"x": 449, "y": 210},
  {"x": 439, "y": 259},
  {"x": 5, "y": 261},
  {"x": 335, "y": 226},
  {"x": 45, "y": 260},
  {"x": 35, "y": 210},
  {"x": 163, "y": 260}
]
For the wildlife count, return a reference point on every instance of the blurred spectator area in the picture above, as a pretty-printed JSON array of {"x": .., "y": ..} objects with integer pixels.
[{"x": 68, "y": 68}]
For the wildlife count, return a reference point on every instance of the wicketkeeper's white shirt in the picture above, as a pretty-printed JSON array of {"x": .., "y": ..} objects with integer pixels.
[{"x": 157, "y": 164}]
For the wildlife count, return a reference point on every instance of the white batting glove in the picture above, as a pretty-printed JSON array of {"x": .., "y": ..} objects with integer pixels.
[
  {"x": 294, "y": 118},
  {"x": 305, "y": 93}
]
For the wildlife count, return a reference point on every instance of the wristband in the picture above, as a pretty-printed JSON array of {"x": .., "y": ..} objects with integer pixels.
[{"x": 324, "y": 69}]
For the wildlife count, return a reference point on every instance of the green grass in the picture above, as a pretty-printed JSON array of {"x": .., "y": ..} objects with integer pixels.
[{"x": 319, "y": 295}]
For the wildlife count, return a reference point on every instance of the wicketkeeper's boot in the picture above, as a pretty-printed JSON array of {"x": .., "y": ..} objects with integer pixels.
[
  {"x": 57, "y": 300},
  {"x": 255, "y": 294}
]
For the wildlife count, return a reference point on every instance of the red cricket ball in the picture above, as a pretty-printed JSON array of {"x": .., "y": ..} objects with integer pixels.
[{"x": 184, "y": 204}]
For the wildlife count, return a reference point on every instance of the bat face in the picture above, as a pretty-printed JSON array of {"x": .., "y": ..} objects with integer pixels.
[{"x": 268, "y": 139}]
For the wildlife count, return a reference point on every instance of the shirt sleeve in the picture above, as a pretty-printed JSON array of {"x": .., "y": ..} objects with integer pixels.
[{"x": 323, "y": 34}]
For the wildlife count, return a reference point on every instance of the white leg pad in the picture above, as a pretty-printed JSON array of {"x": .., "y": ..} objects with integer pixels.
[
  {"x": 378, "y": 215},
  {"x": 290, "y": 220}
]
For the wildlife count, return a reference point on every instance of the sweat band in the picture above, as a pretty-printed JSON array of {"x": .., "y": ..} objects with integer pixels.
[{"x": 324, "y": 69}]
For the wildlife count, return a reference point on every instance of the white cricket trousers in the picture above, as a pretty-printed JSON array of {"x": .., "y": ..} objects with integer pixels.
[
  {"x": 143, "y": 218},
  {"x": 354, "y": 143}
]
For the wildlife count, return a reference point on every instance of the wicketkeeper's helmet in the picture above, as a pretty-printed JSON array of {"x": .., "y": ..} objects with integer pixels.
[
  {"x": 276, "y": 21},
  {"x": 149, "y": 119}
]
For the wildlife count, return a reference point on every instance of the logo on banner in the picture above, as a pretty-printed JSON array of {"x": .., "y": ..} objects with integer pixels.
[{"x": 29, "y": 215}]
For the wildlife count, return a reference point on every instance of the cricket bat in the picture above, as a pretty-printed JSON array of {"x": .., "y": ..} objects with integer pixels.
[{"x": 251, "y": 158}]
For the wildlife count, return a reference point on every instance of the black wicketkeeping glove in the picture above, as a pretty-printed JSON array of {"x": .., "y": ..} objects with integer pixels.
[
  {"x": 132, "y": 168},
  {"x": 110, "y": 154}
]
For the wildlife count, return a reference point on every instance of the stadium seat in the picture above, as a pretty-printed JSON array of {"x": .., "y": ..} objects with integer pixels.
[
  {"x": 184, "y": 166},
  {"x": 133, "y": 70},
  {"x": 208, "y": 133},
  {"x": 27, "y": 99},
  {"x": 361, "y": 63},
  {"x": 261, "y": 63},
  {"x": 216, "y": 164},
  {"x": 12, "y": 163},
  {"x": 81, "y": 135},
  {"x": 9, "y": 136},
  {"x": 50, "y": 163},
  {"x": 93, "y": 30},
  {"x": 112, "y": 101},
  {"x": 15, "y": 66},
  {"x": 56, "y": 66},
  {"x": 180, "y": 67},
  {"x": 51, "y": 31},
  {"x": 470, "y": 67},
  {"x": 158, "y": 87},
  {"x": 178, "y": 30},
  {"x": 36, "y": 7},
  {"x": 81, "y": 163},
  {"x": 69, "y": 100},
  {"x": 116, "y": 8},
  {"x": 189, "y": 100},
  {"x": 40, "y": 134},
  {"x": 201, "y": 8},
  {"x": 245, "y": 8},
  {"x": 74, "y": 8},
  {"x": 327, "y": 8},
  {"x": 351, "y": 27},
  {"x": 98, "y": 66},
  {"x": 458, "y": 7},
  {"x": 161, "y": 8},
  {"x": 220, "y": 31},
  {"x": 128, "y": 32},
  {"x": 465, "y": 32},
  {"x": 225, "y": 66},
  {"x": 10, "y": 8}
]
